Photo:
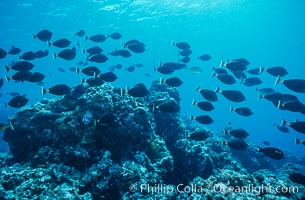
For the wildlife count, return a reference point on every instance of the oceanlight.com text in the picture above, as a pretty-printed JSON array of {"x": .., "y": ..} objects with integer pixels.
[
  {"x": 257, "y": 190},
  {"x": 217, "y": 188}
]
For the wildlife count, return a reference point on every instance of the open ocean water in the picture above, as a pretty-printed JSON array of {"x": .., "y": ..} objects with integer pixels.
[{"x": 267, "y": 33}]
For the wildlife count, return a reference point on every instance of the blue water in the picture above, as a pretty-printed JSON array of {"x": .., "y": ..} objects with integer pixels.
[{"x": 267, "y": 33}]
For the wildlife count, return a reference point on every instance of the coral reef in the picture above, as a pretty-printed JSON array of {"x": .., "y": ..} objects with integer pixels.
[{"x": 94, "y": 143}]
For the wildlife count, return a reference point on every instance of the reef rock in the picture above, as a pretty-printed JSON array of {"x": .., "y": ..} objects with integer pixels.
[{"x": 95, "y": 143}]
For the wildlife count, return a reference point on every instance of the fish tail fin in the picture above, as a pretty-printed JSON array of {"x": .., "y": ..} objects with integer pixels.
[
  {"x": 217, "y": 89},
  {"x": 260, "y": 96},
  {"x": 153, "y": 108},
  {"x": 122, "y": 43},
  {"x": 10, "y": 125},
  {"x": 214, "y": 74},
  {"x": 194, "y": 102},
  {"x": 198, "y": 88},
  {"x": 19, "y": 57},
  {"x": 54, "y": 55},
  {"x": 259, "y": 149},
  {"x": 49, "y": 44},
  {"x": 225, "y": 131},
  {"x": 98, "y": 120},
  {"x": 96, "y": 75},
  {"x": 279, "y": 104},
  {"x": 78, "y": 70},
  {"x": 241, "y": 79},
  {"x": 173, "y": 43},
  {"x": 84, "y": 51},
  {"x": 297, "y": 141},
  {"x": 162, "y": 81},
  {"x": 86, "y": 37},
  {"x": 5, "y": 105},
  {"x": 284, "y": 122},
  {"x": 232, "y": 109},
  {"x": 82, "y": 80},
  {"x": 261, "y": 69},
  {"x": 192, "y": 117},
  {"x": 8, "y": 78},
  {"x": 34, "y": 36},
  {"x": 43, "y": 91},
  {"x": 221, "y": 64},
  {"x": 7, "y": 68},
  {"x": 278, "y": 80},
  {"x": 224, "y": 143},
  {"x": 78, "y": 44},
  {"x": 126, "y": 90},
  {"x": 94, "y": 123}
]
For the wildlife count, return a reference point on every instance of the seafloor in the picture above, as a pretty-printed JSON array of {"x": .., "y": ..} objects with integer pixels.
[{"x": 95, "y": 143}]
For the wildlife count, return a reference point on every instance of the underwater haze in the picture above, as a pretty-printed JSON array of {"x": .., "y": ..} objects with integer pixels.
[{"x": 265, "y": 33}]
